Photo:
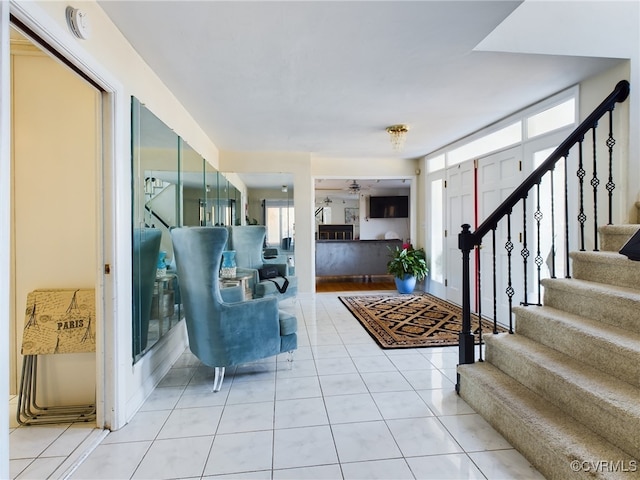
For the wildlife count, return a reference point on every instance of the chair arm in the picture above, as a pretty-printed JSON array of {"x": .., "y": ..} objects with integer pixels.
[
  {"x": 283, "y": 268},
  {"x": 232, "y": 294},
  {"x": 257, "y": 315}
]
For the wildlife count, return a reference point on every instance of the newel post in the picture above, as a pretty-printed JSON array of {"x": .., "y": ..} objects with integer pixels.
[{"x": 465, "y": 339}]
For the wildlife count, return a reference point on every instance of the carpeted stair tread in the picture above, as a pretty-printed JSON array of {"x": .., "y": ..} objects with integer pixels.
[
  {"x": 606, "y": 267},
  {"x": 605, "y": 404},
  {"x": 543, "y": 433},
  {"x": 619, "y": 293},
  {"x": 611, "y": 350},
  {"x": 595, "y": 300},
  {"x": 613, "y": 237}
]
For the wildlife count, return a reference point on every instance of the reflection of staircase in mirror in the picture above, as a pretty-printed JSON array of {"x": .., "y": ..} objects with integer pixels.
[{"x": 160, "y": 210}]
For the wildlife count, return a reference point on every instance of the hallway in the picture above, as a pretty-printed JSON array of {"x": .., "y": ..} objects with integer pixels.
[{"x": 345, "y": 409}]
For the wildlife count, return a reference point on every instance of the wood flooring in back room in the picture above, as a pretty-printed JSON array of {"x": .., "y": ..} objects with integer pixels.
[{"x": 349, "y": 285}]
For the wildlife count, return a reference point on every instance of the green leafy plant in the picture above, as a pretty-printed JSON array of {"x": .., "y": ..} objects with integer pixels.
[{"x": 407, "y": 260}]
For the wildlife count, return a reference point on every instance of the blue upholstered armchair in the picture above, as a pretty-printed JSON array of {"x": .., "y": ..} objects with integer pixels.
[
  {"x": 223, "y": 334},
  {"x": 247, "y": 241}
]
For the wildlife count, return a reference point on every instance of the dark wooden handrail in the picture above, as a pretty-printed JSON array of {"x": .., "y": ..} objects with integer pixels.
[{"x": 619, "y": 94}]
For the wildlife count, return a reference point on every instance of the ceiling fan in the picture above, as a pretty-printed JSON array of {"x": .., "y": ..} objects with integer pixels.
[{"x": 354, "y": 187}]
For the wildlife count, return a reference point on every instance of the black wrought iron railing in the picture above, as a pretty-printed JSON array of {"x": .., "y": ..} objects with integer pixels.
[{"x": 504, "y": 216}]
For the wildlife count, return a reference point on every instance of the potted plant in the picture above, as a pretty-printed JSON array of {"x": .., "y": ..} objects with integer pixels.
[{"x": 408, "y": 265}]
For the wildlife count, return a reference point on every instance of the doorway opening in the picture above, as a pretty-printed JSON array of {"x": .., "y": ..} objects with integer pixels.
[{"x": 56, "y": 211}]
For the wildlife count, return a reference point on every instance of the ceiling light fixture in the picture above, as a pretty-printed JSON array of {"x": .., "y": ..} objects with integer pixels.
[
  {"x": 354, "y": 187},
  {"x": 327, "y": 201},
  {"x": 398, "y": 135}
]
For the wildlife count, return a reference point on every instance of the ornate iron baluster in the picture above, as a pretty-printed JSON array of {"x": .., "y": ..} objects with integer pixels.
[
  {"x": 525, "y": 251},
  {"x": 610, "y": 185},
  {"x": 594, "y": 183},
  {"x": 538, "y": 259},
  {"x": 479, "y": 301},
  {"x": 581, "y": 173},
  {"x": 509, "y": 291},
  {"x": 567, "y": 274},
  {"x": 495, "y": 288},
  {"x": 553, "y": 227}
]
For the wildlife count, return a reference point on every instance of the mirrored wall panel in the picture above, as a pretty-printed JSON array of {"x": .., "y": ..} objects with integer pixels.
[
  {"x": 172, "y": 186},
  {"x": 155, "y": 201}
]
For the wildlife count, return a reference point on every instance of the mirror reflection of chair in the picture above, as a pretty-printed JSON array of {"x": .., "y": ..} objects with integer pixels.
[
  {"x": 146, "y": 245},
  {"x": 223, "y": 332},
  {"x": 248, "y": 242}
]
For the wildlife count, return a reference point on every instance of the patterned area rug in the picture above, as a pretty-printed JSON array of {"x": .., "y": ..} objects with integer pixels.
[{"x": 410, "y": 321}]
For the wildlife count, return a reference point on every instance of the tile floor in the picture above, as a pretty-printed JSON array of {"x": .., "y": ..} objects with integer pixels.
[{"x": 344, "y": 409}]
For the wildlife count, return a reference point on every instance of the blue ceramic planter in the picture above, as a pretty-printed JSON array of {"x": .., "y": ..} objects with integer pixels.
[
  {"x": 406, "y": 284},
  {"x": 228, "y": 267}
]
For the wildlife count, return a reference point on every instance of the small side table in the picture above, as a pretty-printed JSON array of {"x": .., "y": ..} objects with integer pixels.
[
  {"x": 163, "y": 305},
  {"x": 242, "y": 280}
]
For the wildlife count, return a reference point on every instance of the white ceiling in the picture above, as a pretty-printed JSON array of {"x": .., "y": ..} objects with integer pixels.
[{"x": 327, "y": 77}]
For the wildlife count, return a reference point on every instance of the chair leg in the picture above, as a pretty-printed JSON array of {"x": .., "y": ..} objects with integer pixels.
[
  {"x": 290, "y": 356},
  {"x": 218, "y": 378}
]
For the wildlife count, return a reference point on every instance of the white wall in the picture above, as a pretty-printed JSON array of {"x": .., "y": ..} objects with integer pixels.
[
  {"x": 385, "y": 168},
  {"x": 366, "y": 228},
  {"x": 337, "y": 209},
  {"x": 607, "y": 29},
  {"x": 376, "y": 228}
]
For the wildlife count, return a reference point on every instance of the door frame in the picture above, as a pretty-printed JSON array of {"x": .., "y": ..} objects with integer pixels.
[
  {"x": 5, "y": 232},
  {"x": 112, "y": 205}
]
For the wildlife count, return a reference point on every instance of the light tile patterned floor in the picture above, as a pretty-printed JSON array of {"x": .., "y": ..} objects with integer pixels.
[{"x": 344, "y": 409}]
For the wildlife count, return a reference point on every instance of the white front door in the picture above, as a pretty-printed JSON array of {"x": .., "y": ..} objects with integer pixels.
[{"x": 460, "y": 205}]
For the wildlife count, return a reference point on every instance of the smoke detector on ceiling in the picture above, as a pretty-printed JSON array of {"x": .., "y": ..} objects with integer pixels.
[{"x": 78, "y": 22}]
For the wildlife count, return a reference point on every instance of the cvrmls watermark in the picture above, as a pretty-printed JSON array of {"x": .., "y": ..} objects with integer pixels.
[{"x": 604, "y": 466}]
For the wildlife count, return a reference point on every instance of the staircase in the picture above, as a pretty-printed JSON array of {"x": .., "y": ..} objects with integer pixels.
[{"x": 564, "y": 390}]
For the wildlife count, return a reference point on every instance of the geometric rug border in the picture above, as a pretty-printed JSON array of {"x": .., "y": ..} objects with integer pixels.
[{"x": 410, "y": 320}]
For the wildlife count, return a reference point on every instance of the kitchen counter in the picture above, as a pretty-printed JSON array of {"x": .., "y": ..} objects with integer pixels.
[{"x": 353, "y": 257}]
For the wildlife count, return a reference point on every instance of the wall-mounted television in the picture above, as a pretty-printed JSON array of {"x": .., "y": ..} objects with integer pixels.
[{"x": 389, "y": 207}]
